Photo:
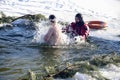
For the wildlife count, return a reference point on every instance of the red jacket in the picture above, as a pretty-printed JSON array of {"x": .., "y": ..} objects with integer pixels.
[{"x": 82, "y": 30}]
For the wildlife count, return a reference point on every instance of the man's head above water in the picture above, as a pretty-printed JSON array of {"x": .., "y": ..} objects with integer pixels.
[{"x": 52, "y": 18}]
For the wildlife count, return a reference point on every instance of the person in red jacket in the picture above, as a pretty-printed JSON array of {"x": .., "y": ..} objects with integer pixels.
[{"x": 78, "y": 28}]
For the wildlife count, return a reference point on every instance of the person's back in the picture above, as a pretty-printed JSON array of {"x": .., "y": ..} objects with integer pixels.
[{"x": 53, "y": 35}]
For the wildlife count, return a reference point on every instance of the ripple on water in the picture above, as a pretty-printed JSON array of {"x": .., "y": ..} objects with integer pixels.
[{"x": 4, "y": 69}]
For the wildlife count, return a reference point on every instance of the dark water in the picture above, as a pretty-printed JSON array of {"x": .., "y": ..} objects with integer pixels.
[
  {"x": 18, "y": 54},
  {"x": 16, "y": 60}
]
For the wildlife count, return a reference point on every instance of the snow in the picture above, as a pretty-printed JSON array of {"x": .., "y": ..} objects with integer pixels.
[
  {"x": 105, "y": 10},
  {"x": 111, "y": 72},
  {"x": 99, "y": 7},
  {"x": 80, "y": 76}
]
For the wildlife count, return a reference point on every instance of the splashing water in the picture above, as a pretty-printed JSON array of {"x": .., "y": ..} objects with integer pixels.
[{"x": 42, "y": 29}]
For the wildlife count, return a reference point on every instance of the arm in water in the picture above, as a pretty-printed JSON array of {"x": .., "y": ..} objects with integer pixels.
[
  {"x": 86, "y": 32},
  {"x": 48, "y": 35}
]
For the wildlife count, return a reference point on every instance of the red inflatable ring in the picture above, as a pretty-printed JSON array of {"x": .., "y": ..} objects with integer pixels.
[{"x": 97, "y": 24}]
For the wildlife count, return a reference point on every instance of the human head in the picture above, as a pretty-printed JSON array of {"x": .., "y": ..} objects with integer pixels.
[
  {"x": 52, "y": 18},
  {"x": 78, "y": 17}
]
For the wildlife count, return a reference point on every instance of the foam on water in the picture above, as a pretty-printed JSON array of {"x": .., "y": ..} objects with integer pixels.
[
  {"x": 111, "y": 72},
  {"x": 42, "y": 29},
  {"x": 104, "y": 10}
]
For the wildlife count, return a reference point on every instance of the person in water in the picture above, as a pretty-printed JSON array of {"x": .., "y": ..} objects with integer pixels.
[
  {"x": 78, "y": 28},
  {"x": 53, "y": 35}
]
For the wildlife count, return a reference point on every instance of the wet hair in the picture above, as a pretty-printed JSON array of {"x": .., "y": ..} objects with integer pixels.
[
  {"x": 81, "y": 22},
  {"x": 79, "y": 16},
  {"x": 52, "y": 16}
]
